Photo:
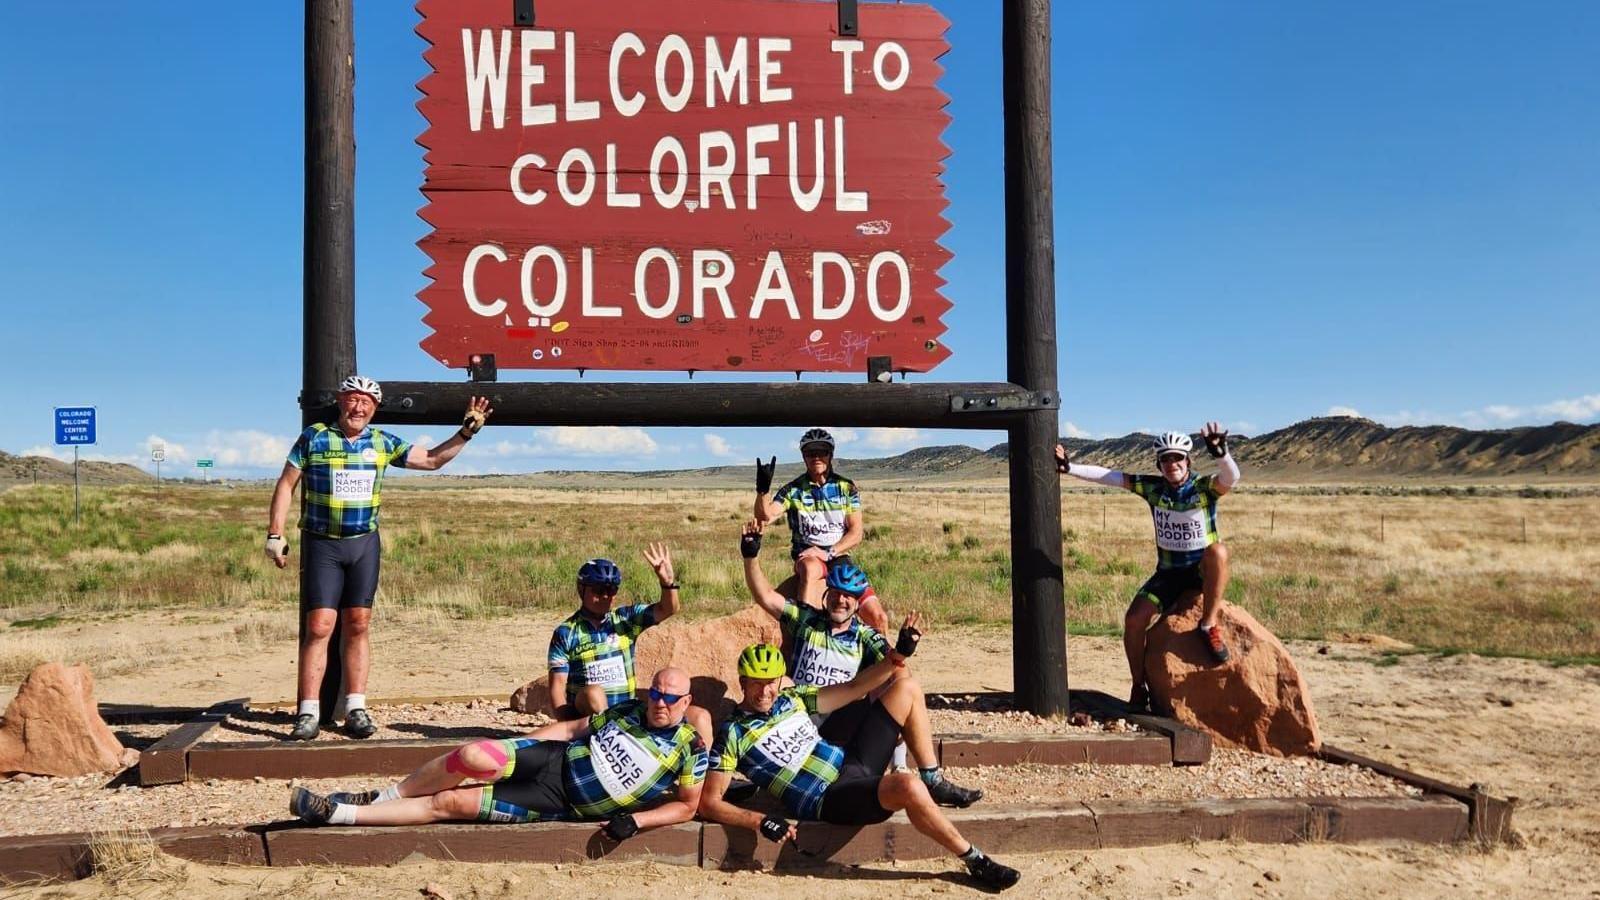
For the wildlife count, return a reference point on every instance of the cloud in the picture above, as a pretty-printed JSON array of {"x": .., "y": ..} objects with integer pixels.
[
  {"x": 1349, "y": 411},
  {"x": 1582, "y": 409},
  {"x": 844, "y": 435},
  {"x": 246, "y": 448},
  {"x": 176, "y": 452},
  {"x": 1071, "y": 430},
  {"x": 600, "y": 439},
  {"x": 892, "y": 438},
  {"x": 718, "y": 445},
  {"x": 63, "y": 454}
]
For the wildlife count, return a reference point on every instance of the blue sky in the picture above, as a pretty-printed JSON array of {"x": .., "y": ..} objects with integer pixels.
[{"x": 1264, "y": 212}]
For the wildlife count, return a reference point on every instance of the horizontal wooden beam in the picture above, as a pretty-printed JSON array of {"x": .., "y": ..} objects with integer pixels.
[
  {"x": 167, "y": 760},
  {"x": 905, "y": 405},
  {"x": 1489, "y": 818},
  {"x": 1190, "y": 746}
]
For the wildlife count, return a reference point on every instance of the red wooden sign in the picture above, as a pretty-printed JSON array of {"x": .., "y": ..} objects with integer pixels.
[{"x": 684, "y": 184}]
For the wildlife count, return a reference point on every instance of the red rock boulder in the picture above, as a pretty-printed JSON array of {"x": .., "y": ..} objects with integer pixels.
[
  {"x": 1256, "y": 700},
  {"x": 53, "y": 726},
  {"x": 708, "y": 650}
]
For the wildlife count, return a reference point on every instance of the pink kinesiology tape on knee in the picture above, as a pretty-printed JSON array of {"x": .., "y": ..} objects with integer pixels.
[{"x": 455, "y": 765}]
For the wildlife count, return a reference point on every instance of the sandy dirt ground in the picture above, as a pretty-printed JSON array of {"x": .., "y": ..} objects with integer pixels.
[{"x": 1525, "y": 729}]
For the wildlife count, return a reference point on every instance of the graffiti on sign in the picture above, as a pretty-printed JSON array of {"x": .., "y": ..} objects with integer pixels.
[{"x": 684, "y": 184}]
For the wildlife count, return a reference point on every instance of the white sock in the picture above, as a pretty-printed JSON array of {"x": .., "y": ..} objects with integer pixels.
[
  {"x": 354, "y": 701},
  {"x": 392, "y": 792},
  {"x": 312, "y": 707},
  {"x": 899, "y": 756},
  {"x": 343, "y": 814}
]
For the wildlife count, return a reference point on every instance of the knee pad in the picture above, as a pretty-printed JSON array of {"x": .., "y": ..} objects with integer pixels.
[{"x": 456, "y": 764}]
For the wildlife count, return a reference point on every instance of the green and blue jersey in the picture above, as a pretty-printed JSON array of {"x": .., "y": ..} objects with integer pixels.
[
  {"x": 341, "y": 478},
  {"x": 781, "y": 752},
  {"x": 817, "y": 513},
  {"x": 1185, "y": 517},
  {"x": 600, "y": 653},
  {"x": 822, "y": 657}
]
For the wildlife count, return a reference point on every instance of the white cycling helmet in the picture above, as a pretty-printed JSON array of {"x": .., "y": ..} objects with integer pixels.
[
  {"x": 816, "y": 436},
  {"x": 362, "y": 385},
  {"x": 1174, "y": 442}
]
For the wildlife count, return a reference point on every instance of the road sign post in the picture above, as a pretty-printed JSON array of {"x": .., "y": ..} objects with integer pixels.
[
  {"x": 158, "y": 454},
  {"x": 205, "y": 466},
  {"x": 75, "y": 426}
]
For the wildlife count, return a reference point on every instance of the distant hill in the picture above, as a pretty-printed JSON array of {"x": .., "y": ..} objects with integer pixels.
[
  {"x": 44, "y": 470},
  {"x": 1325, "y": 449}
]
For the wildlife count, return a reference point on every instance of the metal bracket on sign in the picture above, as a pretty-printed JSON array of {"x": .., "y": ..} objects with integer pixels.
[
  {"x": 318, "y": 399},
  {"x": 848, "y": 22},
  {"x": 980, "y": 403},
  {"x": 880, "y": 369},
  {"x": 481, "y": 367},
  {"x": 522, "y": 12}
]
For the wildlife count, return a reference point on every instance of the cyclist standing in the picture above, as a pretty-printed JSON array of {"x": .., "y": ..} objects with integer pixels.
[
  {"x": 343, "y": 466},
  {"x": 1190, "y": 555}
]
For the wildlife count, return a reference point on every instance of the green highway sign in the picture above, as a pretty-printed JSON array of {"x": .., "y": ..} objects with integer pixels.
[{"x": 202, "y": 463}]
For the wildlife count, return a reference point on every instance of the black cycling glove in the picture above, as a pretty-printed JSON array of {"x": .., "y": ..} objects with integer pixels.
[
  {"x": 774, "y": 828},
  {"x": 906, "y": 644},
  {"x": 622, "y": 827},
  {"x": 764, "y": 472},
  {"x": 750, "y": 545}
]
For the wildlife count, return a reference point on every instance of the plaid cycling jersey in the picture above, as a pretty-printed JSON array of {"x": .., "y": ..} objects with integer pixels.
[
  {"x": 1185, "y": 517},
  {"x": 600, "y": 654},
  {"x": 822, "y": 657},
  {"x": 625, "y": 764},
  {"x": 781, "y": 752},
  {"x": 816, "y": 514},
  {"x": 341, "y": 478}
]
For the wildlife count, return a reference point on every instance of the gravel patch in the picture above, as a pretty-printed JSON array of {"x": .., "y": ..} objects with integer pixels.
[{"x": 405, "y": 721}]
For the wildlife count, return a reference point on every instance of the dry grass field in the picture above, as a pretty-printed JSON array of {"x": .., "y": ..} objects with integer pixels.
[{"x": 1493, "y": 575}]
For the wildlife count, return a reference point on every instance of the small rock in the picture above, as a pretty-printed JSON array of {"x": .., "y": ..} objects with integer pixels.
[
  {"x": 1271, "y": 875},
  {"x": 1323, "y": 650},
  {"x": 260, "y": 780},
  {"x": 436, "y": 892},
  {"x": 130, "y": 757},
  {"x": 22, "y": 776},
  {"x": 1507, "y": 702}
]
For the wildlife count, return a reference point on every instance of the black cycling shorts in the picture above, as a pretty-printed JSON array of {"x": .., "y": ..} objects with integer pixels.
[
  {"x": 338, "y": 573},
  {"x": 868, "y": 735},
  {"x": 535, "y": 790},
  {"x": 1166, "y": 586}
]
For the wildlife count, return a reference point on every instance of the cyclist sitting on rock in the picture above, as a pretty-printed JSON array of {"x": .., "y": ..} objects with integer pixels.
[
  {"x": 832, "y": 646},
  {"x": 1190, "y": 556},
  {"x": 770, "y": 740},
  {"x": 591, "y": 653},
  {"x": 824, "y": 513}
]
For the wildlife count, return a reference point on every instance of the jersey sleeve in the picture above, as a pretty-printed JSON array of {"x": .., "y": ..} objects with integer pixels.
[
  {"x": 787, "y": 496},
  {"x": 1144, "y": 485},
  {"x": 1207, "y": 484},
  {"x": 874, "y": 647},
  {"x": 789, "y": 620},
  {"x": 807, "y": 695},
  {"x": 636, "y": 618},
  {"x": 695, "y": 762},
  {"x": 301, "y": 449},
  {"x": 852, "y": 496},
  {"x": 727, "y": 750},
  {"x": 395, "y": 455},
  {"x": 560, "y": 648}
]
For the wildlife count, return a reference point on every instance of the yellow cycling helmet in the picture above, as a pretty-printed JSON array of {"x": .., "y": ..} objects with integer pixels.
[{"x": 761, "y": 661}]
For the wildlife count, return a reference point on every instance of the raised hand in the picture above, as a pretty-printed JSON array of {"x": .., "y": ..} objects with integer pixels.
[
  {"x": 911, "y": 632},
  {"x": 764, "y": 472},
  {"x": 1216, "y": 439},
  {"x": 478, "y": 412},
  {"x": 750, "y": 539},
  {"x": 660, "y": 559}
]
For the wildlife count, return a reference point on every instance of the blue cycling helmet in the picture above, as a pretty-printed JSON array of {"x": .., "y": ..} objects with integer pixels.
[
  {"x": 599, "y": 572},
  {"x": 848, "y": 577}
]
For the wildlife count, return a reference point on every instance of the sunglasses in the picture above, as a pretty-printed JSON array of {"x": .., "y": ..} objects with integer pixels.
[
  {"x": 664, "y": 697},
  {"x": 604, "y": 590},
  {"x": 1171, "y": 458}
]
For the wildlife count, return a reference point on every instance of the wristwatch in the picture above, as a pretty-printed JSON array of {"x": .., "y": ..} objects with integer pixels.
[{"x": 670, "y": 587}]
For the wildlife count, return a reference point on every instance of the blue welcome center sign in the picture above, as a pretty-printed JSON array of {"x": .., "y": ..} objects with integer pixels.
[{"x": 74, "y": 425}]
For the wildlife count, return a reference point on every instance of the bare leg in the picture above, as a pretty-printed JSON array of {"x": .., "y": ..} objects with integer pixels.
[
  {"x": 1141, "y": 614},
  {"x": 902, "y": 790},
  {"x": 314, "y": 651},
  {"x": 1214, "y": 570},
  {"x": 872, "y": 612},
  {"x": 459, "y": 804},
  {"x": 813, "y": 574},
  {"x": 904, "y": 700},
  {"x": 357, "y": 654},
  {"x": 435, "y": 775},
  {"x": 591, "y": 700}
]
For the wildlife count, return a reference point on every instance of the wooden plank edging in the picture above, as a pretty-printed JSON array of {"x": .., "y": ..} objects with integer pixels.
[
  {"x": 167, "y": 760},
  {"x": 1489, "y": 817}
]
